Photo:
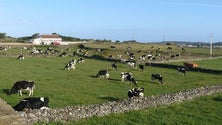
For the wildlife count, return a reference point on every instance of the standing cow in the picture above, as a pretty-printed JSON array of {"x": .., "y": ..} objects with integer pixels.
[
  {"x": 128, "y": 77},
  {"x": 103, "y": 74},
  {"x": 158, "y": 77},
  {"x": 114, "y": 66},
  {"x": 181, "y": 70},
  {"x": 141, "y": 67},
  {"x": 19, "y": 86}
]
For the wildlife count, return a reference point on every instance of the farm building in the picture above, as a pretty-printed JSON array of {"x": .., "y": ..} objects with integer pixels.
[{"x": 46, "y": 39}]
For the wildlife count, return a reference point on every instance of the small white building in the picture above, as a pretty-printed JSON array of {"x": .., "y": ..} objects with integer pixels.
[{"x": 52, "y": 39}]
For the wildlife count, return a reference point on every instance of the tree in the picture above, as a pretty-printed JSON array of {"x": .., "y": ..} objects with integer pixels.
[
  {"x": 2, "y": 35},
  {"x": 36, "y": 35}
]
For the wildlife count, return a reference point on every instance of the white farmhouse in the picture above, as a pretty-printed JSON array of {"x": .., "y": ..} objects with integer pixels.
[{"x": 52, "y": 39}]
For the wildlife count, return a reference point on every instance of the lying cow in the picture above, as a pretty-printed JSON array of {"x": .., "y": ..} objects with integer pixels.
[
  {"x": 181, "y": 70},
  {"x": 103, "y": 74},
  {"x": 71, "y": 65},
  {"x": 32, "y": 103},
  {"x": 136, "y": 92},
  {"x": 158, "y": 77},
  {"x": 80, "y": 60},
  {"x": 128, "y": 77},
  {"x": 19, "y": 86},
  {"x": 20, "y": 57}
]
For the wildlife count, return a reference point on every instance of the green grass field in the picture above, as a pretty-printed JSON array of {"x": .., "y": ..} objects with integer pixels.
[
  {"x": 80, "y": 86},
  {"x": 201, "y": 111}
]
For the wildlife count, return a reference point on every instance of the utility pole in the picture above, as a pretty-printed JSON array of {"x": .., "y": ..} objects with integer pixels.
[
  {"x": 164, "y": 38},
  {"x": 211, "y": 46}
]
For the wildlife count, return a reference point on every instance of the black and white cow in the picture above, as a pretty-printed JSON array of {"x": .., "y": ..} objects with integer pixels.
[
  {"x": 141, "y": 67},
  {"x": 158, "y": 77},
  {"x": 114, "y": 66},
  {"x": 136, "y": 92},
  {"x": 19, "y": 86},
  {"x": 64, "y": 54},
  {"x": 80, "y": 60},
  {"x": 181, "y": 70},
  {"x": 20, "y": 57},
  {"x": 103, "y": 74},
  {"x": 128, "y": 77},
  {"x": 131, "y": 64},
  {"x": 32, "y": 103},
  {"x": 71, "y": 65}
]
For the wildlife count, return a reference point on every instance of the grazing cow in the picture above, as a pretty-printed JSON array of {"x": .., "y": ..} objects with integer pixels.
[
  {"x": 21, "y": 57},
  {"x": 131, "y": 64},
  {"x": 128, "y": 77},
  {"x": 141, "y": 67},
  {"x": 136, "y": 92},
  {"x": 114, "y": 66},
  {"x": 32, "y": 103},
  {"x": 23, "y": 85},
  {"x": 158, "y": 77},
  {"x": 181, "y": 70},
  {"x": 103, "y": 74}
]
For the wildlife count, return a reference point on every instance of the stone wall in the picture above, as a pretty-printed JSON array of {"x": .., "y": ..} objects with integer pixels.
[
  {"x": 172, "y": 66},
  {"x": 78, "y": 112},
  {"x": 8, "y": 116}
]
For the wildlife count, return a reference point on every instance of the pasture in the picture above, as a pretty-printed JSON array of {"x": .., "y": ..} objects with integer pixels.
[{"x": 80, "y": 86}]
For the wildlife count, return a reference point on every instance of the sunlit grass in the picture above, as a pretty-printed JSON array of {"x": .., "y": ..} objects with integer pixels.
[{"x": 81, "y": 87}]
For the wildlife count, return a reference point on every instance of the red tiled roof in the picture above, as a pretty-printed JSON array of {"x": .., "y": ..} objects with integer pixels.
[{"x": 50, "y": 36}]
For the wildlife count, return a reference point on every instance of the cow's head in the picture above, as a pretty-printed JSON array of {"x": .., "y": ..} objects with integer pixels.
[
  {"x": 13, "y": 90},
  {"x": 21, "y": 105}
]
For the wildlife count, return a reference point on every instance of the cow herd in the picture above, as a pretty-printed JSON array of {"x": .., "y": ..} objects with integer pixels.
[
  {"x": 127, "y": 77},
  {"x": 31, "y": 102}
]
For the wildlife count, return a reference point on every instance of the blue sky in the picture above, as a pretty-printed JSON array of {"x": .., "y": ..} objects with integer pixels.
[{"x": 142, "y": 20}]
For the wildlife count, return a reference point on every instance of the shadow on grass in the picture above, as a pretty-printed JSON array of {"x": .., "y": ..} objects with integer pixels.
[
  {"x": 93, "y": 76},
  {"x": 109, "y": 98},
  {"x": 6, "y": 91},
  {"x": 218, "y": 99},
  {"x": 115, "y": 80}
]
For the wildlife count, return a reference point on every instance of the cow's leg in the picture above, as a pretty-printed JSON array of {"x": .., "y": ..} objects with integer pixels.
[
  {"x": 30, "y": 91},
  {"x": 20, "y": 92},
  {"x": 107, "y": 76}
]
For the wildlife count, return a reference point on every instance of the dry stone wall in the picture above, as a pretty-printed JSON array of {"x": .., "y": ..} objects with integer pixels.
[{"x": 70, "y": 113}]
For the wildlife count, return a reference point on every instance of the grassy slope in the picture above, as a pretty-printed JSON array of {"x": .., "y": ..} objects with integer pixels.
[{"x": 81, "y": 87}]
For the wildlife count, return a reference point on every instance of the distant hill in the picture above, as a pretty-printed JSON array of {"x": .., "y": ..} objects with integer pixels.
[{"x": 195, "y": 44}]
